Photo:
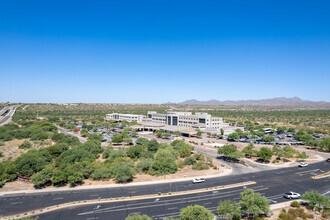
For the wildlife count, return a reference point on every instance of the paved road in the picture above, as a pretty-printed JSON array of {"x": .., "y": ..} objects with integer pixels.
[
  {"x": 64, "y": 131},
  {"x": 272, "y": 183},
  {"x": 3, "y": 110},
  {"x": 9, "y": 115}
]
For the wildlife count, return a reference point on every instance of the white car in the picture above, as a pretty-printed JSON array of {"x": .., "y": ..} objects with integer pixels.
[
  {"x": 303, "y": 164},
  {"x": 292, "y": 195},
  {"x": 198, "y": 180}
]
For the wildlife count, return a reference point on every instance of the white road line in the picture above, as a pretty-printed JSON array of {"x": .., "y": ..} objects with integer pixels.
[
  {"x": 94, "y": 195},
  {"x": 172, "y": 208},
  {"x": 14, "y": 203},
  {"x": 306, "y": 171},
  {"x": 326, "y": 193},
  {"x": 58, "y": 198},
  {"x": 207, "y": 203},
  {"x": 133, "y": 213}
]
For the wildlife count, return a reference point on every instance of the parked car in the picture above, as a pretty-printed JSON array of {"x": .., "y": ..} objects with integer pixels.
[
  {"x": 291, "y": 195},
  {"x": 198, "y": 180},
  {"x": 328, "y": 160},
  {"x": 303, "y": 164}
]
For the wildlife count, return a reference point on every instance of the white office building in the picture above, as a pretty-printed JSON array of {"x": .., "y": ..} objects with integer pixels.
[
  {"x": 200, "y": 120},
  {"x": 124, "y": 117},
  {"x": 187, "y": 119}
]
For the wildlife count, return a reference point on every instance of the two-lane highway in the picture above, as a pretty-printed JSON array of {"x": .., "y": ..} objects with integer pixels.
[
  {"x": 9, "y": 115},
  {"x": 272, "y": 183}
]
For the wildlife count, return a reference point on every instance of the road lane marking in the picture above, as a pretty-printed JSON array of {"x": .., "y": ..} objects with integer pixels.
[
  {"x": 307, "y": 171},
  {"x": 15, "y": 203},
  {"x": 58, "y": 198},
  {"x": 172, "y": 208}
]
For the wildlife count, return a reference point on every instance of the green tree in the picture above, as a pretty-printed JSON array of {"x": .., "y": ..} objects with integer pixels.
[
  {"x": 43, "y": 177},
  {"x": 185, "y": 151},
  {"x": 32, "y": 162},
  {"x": 195, "y": 212},
  {"x": 163, "y": 166},
  {"x": 190, "y": 161},
  {"x": 177, "y": 133},
  {"x": 249, "y": 150},
  {"x": 144, "y": 165},
  {"x": 75, "y": 177},
  {"x": 291, "y": 130},
  {"x": 325, "y": 144},
  {"x": 127, "y": 140},
  {"x": 152, "y": 145},
  {"x": 222, "y": 131},
  {"x": 281, "y": 129},
  {"x": 265, "y": 153},
  {"x": 101, "y": 173},
  {"x": 253, "y": 203},
  {"x": 135, "y": 151},
  {"x": 230, "y": 151},
  {"x": 166, "y": 135},
  {"x": 230, "y": 209},
  {"x": 158, "y": 133},
  {"x": 168, "y": 152},
  {"x": 268, "y": 138},
  {"x": 134, "y": 134},
  {"x": 122, "y": 172},
  {"x": 138, "y": 217},
  {"x": 199, "y": 133},
  {"x": 233, "y": 136},
  {"x": 316, "y": 200}
]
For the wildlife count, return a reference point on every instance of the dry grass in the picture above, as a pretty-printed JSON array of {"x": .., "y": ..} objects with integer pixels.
[{"x": 11, "y": 151}]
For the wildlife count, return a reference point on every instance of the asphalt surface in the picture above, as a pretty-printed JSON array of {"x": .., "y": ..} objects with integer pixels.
[
  {"x": 271, "y": 183},
  {"x": 3, "y": 110},
  {"x": 64, "y": 131},
  {"x": 9, "y": 115}
]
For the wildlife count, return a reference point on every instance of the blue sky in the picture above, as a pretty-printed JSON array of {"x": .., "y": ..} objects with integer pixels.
[{"x": 160, "y": 51}]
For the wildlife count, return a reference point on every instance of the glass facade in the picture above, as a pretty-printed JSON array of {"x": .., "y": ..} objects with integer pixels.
[
  {"x": 202, "y": 120},
  {"x": 169, "y": 120},
  {"x": 175, "y": 120}
]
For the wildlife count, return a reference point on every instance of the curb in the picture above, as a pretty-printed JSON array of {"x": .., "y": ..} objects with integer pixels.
[{"x": 113, "y": 185}]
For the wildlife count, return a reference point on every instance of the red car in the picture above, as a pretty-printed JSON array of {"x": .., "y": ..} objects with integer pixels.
[{"x": 328, "y": 160}]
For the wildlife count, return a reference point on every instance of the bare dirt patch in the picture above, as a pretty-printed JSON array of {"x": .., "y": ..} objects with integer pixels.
[{"x": 11, "y": 151}]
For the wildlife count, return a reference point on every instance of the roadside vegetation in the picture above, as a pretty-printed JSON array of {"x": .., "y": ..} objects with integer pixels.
[
  {"x": 264, "y": 154},
  {"x": 67, "y": 161}
]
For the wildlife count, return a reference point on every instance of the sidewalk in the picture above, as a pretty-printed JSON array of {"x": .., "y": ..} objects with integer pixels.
[{"x": 118, "y": 185}]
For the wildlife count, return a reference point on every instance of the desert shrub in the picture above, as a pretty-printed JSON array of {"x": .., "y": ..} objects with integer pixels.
[
  {"x": 190, "y": 161},
  {"x": 180, "y": 164},
  {"x": 200, "y": 166},
  {"x": 115, "y": 154},
  {"x": 1, "y": 154},
  {"x": 199, "y": 156},
  {"x": 57, "y": 149},
  {"x": 163, "y": 166},
  {"x": 143, "y": 165},
  {"x": 2, "y": 143},
  {"x": 122, "y": 172},
  {"x": 25, "y": 145},
  {"x": 101, "y": 173},
  {"x": 2, "y": 184},
  {"x": 295, "y": 204}
]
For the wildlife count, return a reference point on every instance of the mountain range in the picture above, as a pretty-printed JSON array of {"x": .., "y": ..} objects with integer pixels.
[{"x": 280, "y": 101}]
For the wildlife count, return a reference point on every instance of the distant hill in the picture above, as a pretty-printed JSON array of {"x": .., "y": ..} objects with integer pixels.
[{"x": 281, "y": 101}]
